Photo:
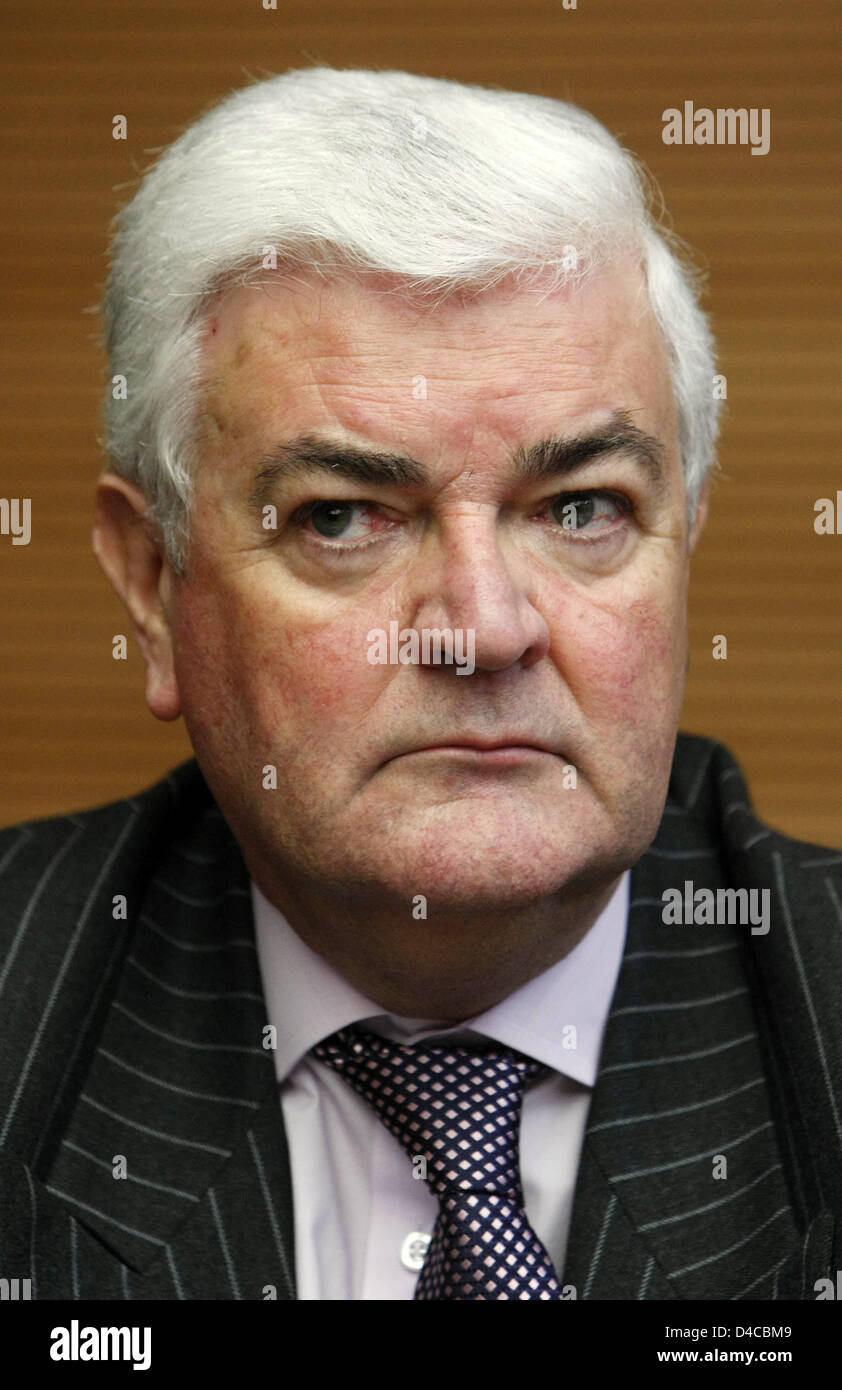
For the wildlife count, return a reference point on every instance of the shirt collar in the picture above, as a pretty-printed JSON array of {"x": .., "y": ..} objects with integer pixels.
[{"x": 558, "y": 1017}]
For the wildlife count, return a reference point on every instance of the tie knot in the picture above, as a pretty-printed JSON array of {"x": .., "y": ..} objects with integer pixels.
[{"x": 456, "y": 1107}]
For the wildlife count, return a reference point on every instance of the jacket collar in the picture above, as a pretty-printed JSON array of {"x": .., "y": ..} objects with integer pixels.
[
  {"x": 169, "y": 1078},
  {"x": 691, "y": 1079}
]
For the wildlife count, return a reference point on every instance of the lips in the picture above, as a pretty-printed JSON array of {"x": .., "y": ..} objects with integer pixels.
[
  {"x": 481, "y": 745},
  {"x": 475, "y": 743}
]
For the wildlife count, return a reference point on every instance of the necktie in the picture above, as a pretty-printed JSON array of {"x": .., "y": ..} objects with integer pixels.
[{"x": 459, "y": 1109}]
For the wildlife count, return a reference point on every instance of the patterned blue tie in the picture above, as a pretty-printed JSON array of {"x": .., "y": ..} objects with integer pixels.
[{"x": 459, "y": 1109}]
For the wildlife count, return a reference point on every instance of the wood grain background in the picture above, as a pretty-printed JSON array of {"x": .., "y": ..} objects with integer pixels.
[{"x": 75, "y": 730}]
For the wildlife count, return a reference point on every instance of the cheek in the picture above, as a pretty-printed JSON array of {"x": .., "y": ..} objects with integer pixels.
[
  {"x": 625, "y": 664},
  {"x": 321, "y": 673},
  {"x": 270, "y": 674},
  {"x": 209, "y": 666}
]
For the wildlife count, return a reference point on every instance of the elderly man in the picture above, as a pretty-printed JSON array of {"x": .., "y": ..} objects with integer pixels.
[{"x": 447, "y": 970}]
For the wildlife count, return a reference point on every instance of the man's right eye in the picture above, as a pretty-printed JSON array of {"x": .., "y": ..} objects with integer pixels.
[
  {"x": 331, "y": 518},
  {"x": 338, "y": 519}
]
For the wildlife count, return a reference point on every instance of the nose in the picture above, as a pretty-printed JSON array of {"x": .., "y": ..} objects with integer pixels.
[{"x": 478, "y": 583}]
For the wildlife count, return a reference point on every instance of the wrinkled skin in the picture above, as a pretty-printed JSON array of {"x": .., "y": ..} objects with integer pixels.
[{"x": 581, "y": 642}]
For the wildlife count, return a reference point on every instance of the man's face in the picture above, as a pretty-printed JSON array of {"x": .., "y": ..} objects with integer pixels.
[{"x": 573, "y": 581}]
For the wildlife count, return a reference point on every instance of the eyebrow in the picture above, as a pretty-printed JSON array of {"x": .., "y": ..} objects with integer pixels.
[
  {"x": 556, "y": 457},
  {"x": 311, "y": 454}
]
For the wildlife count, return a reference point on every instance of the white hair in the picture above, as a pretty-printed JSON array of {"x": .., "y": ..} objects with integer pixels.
[{"x": 448, "y": 187}]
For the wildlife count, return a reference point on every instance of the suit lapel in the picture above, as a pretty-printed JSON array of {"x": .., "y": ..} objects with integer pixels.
[
  {"x": 166, "y": 1172},
  {"x": 236, "y": 1242},
  {"x": 682, "y": 1095},
  {"x": 607, "y": 1257}
]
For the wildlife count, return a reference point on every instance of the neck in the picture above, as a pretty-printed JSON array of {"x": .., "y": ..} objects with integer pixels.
[{"x": 447, "y": 966}]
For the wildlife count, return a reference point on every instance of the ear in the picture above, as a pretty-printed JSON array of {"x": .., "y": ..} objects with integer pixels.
[
  {"x": 700, "y": 517},
  {"x": 125, "y": 543}
]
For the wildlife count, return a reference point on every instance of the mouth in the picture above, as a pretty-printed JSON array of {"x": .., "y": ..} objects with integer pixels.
[{"x": 497, "y": 752}]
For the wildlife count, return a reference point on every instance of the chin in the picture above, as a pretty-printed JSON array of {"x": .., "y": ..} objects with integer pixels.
[{"x": 469, "y": 855}]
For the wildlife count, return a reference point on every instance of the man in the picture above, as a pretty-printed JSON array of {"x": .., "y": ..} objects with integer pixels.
[{"x": 444, "y": 971}]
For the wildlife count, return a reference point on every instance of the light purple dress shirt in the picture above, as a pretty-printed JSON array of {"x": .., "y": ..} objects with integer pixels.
[{"x": 362, "y": 1220}]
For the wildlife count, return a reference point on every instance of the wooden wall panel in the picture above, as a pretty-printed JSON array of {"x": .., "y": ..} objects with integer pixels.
[{"x": 75, "y": 730}]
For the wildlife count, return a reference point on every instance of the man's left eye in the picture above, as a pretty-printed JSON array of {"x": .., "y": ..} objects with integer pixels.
[
  {"x": 337, "y": 519},
  {"x": 580, "y": 511}
]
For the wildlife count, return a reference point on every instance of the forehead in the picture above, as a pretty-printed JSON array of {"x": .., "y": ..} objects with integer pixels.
[{"x": 297, "y": 352}]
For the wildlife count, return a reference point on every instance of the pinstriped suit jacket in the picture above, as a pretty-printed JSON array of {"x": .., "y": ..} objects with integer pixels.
[{"x": 133, "y": 1044}]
